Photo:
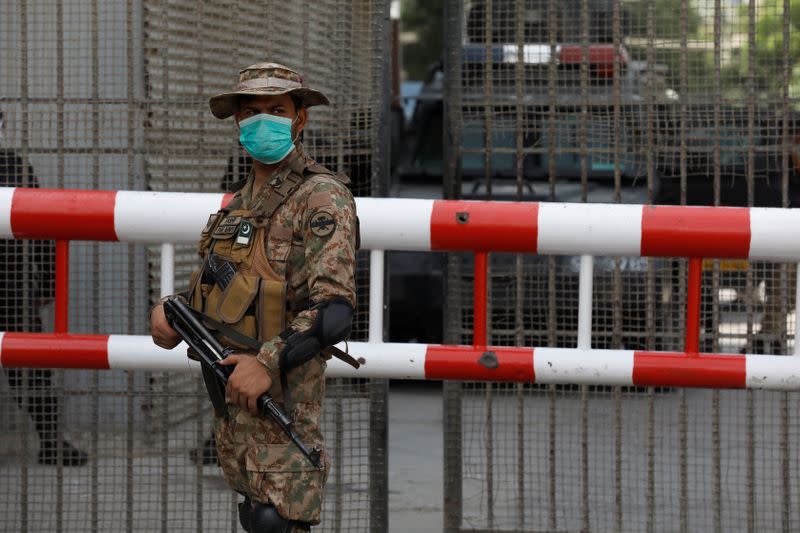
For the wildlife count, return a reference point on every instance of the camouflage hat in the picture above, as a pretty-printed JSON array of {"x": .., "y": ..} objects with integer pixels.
[{"x": 265, "y": 79}]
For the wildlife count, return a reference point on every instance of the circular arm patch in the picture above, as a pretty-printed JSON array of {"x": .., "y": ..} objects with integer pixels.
[{"x": 322, "y": 224}]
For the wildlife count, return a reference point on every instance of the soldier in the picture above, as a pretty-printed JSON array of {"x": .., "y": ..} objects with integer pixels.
[
  {"x": 28, "y": 268},
  {"x": 278, "y": 266}
]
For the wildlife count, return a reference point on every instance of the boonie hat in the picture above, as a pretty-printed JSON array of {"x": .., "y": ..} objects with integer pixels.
[{"x": 265, "y": 79}]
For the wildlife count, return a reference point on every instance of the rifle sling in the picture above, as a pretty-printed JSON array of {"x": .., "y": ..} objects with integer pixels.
[
  {"x": 254, "y": 344},
  {"x": 228, "y": 331}
]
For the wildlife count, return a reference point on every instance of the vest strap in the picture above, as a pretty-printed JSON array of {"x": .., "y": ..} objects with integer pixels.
[{"x": 279, "y": 194}]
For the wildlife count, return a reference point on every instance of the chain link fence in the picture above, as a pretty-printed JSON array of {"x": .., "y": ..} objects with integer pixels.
[
  {"x": 647, "y": 101},
  {"x": 114, "y": 95}
]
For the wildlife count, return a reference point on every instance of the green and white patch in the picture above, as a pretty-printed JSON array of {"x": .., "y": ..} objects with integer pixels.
[{"x": 245, "y": 232}]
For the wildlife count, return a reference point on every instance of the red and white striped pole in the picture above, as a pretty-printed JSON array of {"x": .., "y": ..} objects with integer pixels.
[
  {"x": 426, "y": 225},
  {"x": 436, "y": 362}
]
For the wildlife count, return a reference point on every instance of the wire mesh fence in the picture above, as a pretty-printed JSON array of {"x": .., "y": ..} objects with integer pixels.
[
  {"x": 114, "y": 95},
  {"x": 652, "y": 101}
]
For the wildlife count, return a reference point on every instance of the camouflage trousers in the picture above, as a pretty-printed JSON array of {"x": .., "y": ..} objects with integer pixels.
[{"x": 258, "y": 462}]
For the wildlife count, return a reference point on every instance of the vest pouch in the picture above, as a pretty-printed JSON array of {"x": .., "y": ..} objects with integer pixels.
[
  {"x": 230, "y": 306},
  {"x": 271, "y": 309},
  {"x": 236, "y": 298}
]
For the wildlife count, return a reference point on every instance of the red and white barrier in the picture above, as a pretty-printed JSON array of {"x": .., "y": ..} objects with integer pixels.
[
  {"x": 436, "y": 362},
  {"x": 400, "y": 224},
  {"x": 405, "y": 224}
]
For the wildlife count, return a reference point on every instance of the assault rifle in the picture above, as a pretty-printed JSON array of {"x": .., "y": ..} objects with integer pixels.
[{"x": 210, "y": 352}]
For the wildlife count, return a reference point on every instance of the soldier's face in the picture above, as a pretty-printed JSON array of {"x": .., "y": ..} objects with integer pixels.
[{"x": 281, "y": 105}]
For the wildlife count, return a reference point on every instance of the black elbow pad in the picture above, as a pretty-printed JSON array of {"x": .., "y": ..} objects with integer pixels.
[{"x": 333, "y": 323}]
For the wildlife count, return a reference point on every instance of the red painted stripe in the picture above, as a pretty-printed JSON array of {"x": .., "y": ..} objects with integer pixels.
[
  {"x": 693, "y": 294},
  {"x": 62, "y": 287},
  {"x": 226, "y": 199},
  {"x": 38, "y": 350},
  {"x": 679, "y": 370},
  {"x": 673, "y": 231},
  {"x": 462, "y": 363},
  {"x": 484, "y": 226},
  {"x": 480, "y": 298},
  {"x": 63, "y": 214}
]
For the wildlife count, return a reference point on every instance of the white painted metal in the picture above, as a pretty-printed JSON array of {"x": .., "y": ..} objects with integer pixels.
[
  {"x": 150, "y": 217},
  {"x": 564, "y": 365},
  {"x": 6, "y": 198},
  {"x": 137, "y": 352},
  {"x": 796, "y": 311},
  {"x": 395, "y": 224},
  {"x": 167, "y": 269},
  {"x": 593, "y": 229},
  {"x": 772, "y": 372},
  {"x": 376, "y": 267},
  {"x": 585, "y": 303},
  {"x": 772, "y": 233},
  {"x": 387, "y": 360},
  {"x": 382, "y": 360}
]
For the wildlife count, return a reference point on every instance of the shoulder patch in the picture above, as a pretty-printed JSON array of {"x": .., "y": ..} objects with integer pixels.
[
  {"x": 227, "y": 228},
  {"x": 322, "y": 224},
  {"x": 319, "y": 199},
  {"x": 212, "y": 219}
]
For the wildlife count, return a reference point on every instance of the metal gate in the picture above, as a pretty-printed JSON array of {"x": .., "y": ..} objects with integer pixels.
[
  {"x": 651, "y": 101},
  {"x": 114, "y": 95}
]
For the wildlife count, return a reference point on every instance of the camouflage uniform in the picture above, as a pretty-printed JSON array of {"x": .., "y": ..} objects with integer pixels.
[{"x": 309, "y": 244}]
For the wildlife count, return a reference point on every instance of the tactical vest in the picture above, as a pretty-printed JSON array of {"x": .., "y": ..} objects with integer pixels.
[{"x": 236, "y": 286}]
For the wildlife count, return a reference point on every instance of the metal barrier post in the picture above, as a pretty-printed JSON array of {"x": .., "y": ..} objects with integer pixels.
[
  {"x": 692, "y": 346},
  {"x": 62, "y": 286},
  {"x": 585, "y": 302},
  {"x": 167, "y": 269},
  {"x": 479, "y": 337}
]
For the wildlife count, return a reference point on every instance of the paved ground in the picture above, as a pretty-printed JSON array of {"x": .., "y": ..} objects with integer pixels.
[
  {"x": 198, "y": 496},
  {"x": 415, "y": 458}
]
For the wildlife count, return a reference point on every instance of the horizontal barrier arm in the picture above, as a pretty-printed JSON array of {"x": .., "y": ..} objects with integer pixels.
[
  {"x": 425, "y": 225},
  {"x": 436, "y": 362}
]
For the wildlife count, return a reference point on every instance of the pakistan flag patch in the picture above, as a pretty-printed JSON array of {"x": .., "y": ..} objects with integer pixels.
[{"x": 322, "y": 224}]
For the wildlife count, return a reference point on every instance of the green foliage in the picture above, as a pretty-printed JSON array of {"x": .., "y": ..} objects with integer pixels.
[
  {"x": 425, "y": 19},
  {"x": 768, "y": 54},
  {"x": 666, "y": 17}
]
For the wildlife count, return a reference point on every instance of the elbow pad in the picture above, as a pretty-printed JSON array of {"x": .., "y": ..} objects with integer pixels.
[{"x": 334, "y": 319}]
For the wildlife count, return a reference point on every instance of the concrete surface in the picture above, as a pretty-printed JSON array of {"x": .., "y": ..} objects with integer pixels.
[{"x": 416, "y": 469}]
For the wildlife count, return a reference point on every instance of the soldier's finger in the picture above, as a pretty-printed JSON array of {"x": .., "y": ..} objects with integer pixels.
[
  {"x": 251, "y": 405},
  {"x": 230, "y": 360}
]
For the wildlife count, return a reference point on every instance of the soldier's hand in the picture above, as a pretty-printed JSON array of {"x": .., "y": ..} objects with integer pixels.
[
  {"x": 163, "y": 335},
  {"x": 248, "y": 381}
]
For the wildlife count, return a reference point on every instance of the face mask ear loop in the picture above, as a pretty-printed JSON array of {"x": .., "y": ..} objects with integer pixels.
[{"x": 295, "y": 139}]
